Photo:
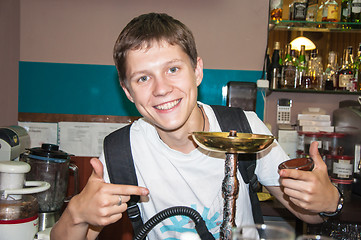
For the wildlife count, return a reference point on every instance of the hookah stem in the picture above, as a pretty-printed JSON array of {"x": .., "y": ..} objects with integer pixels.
[{"x": 230, "y": 188}]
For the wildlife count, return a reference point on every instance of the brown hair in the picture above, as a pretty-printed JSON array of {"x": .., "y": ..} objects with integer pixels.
[{"x": 146, "y": 29}]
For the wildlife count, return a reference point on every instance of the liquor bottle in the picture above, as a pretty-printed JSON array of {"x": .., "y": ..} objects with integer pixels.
[
  {"x": 320, "y": 11},
  {"x": 356, "y": 12},
  {"x": 276, "y": 10},
  {"x": 350, "y": 57},
  {"x": 267, "y": 65},
  {"x": 331, "y": 71},
  {"x": 344, "y": 74},
  {"x": 314, "y": 72},
  {"x": 274, "y": 72},
  {"x": 311, "y": 11},
  {"x": 345, "y": 12},
  {"x": 357, "y": 68},
  {"x": 301, "y": 67},
  {"x": 298, "y": 10},
  {"x": 288, "y": 75},
  {"x": 330, "y": 11}
]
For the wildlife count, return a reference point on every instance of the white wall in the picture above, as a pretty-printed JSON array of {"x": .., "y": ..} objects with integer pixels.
[{"x": 230, "y": 34}]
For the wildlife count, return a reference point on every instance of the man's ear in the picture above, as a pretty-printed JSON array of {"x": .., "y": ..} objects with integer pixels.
[
  {"x": 127, "y": 93},
  {"x": 199, "y": 71}
]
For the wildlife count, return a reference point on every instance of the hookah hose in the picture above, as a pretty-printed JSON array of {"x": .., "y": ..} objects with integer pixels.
[{"x": 200, "y": 224}]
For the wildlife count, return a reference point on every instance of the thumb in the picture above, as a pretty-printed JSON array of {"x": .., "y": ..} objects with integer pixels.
[
  {"x": 315, "y": 155},
  {"x": 97, "y": 168}
]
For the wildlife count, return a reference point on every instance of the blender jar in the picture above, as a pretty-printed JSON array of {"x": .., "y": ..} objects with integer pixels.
[{"x": 52, "y": 165}]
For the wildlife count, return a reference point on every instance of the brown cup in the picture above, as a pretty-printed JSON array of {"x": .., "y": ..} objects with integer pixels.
[{"x": 305, "y": 164}]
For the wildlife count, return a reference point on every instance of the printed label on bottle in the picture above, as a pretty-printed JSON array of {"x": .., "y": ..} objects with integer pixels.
[
  {"x": 356, "y": 6},
  {"x": 332, "y": 12},
  {"x": 343, "y": 169},
  {"x": 276, "y": 4},
  {"x": 344, "y": 80},
  {"x": 300, "y": 11},
  {"x": 346, "y": 12}
]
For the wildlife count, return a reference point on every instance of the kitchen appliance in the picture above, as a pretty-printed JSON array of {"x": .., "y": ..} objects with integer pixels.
[
  {"x": 232, "y": 144},
  {"x": 18, "y": 209},
  {"x": 13, "y": 142},
  {"x": 347, "y": 119},
  {"x": 52, "y": 165}
]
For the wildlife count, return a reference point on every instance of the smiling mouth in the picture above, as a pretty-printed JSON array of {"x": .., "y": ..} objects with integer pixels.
[{"x": 168, "y": 105}]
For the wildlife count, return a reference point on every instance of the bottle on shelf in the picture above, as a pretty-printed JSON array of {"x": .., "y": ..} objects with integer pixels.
[
  {"x": 301, "y": 67},
  {"x": 274, "y": 71},
  {"x": 350, "y": 55},
  {"x": 345, "y": 73},
  {"x": 267, "y": 65},
  {"x": 288, "y": 75},
  {"x": 330, "y": 11},
  {"x": 298, "y": 10},
  {"x": 331, "y": 71},
  {"x": 314, "y": 75},
  {"x": 276, "y": 10},
  {"x": 345, "y": 13},
  {"x": 357, "y": 69},
  {"x": 356, "y": 12},
  {"x": 312, "y": 11},
  {"x": 320, "y": 11}
]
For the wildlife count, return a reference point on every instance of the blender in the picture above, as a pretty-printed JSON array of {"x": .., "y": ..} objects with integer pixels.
[
  {"x": 18, "y": 209},
  {"x": 52, "y": 165}
]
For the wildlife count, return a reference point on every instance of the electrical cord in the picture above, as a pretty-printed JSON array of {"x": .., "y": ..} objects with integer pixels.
[{"x": 200, "y": 224}]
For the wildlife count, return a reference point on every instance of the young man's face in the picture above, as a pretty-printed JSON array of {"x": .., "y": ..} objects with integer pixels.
[{"x": 163, "y": 84}]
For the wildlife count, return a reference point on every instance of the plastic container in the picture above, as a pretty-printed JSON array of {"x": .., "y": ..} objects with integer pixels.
[
  {"x": 333, "y": 143},
  {"x": 345, "y": 187}
]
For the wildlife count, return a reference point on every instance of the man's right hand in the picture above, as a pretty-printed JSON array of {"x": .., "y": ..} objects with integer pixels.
[{"x": 98, "y": 202}]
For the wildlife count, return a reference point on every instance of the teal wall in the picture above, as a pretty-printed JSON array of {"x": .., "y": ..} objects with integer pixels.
[{"x": 94, "y": 89}]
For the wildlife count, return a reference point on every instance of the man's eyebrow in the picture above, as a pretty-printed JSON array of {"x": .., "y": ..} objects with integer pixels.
[{"x": 142, "y": 72}]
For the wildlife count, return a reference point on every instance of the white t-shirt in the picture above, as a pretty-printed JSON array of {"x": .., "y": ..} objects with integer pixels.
[{"x": 194, "y": 179}]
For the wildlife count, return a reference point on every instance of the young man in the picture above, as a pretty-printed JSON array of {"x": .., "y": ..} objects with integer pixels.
[{"x": 159, "y": 71}]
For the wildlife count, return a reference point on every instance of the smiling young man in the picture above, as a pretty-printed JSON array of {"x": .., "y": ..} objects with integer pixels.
[{"x": 159, "y": 71}]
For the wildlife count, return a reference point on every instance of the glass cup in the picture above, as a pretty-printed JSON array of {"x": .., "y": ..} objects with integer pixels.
[
  {"x": 313, "y": 237},
  {"x": 262, "y": 231}
]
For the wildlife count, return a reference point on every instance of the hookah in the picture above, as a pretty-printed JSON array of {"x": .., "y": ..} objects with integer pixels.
[{"x": 231, "y": 143}]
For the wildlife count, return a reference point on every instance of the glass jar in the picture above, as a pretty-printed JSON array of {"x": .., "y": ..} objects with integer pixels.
[
  {"x": 311, "y": 137},
  {"x": 342, "y": 167},
  {"x": 345, "y": 187}
]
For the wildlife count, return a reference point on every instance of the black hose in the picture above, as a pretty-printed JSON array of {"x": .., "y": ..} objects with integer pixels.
[{"x": 200, "y": 224}]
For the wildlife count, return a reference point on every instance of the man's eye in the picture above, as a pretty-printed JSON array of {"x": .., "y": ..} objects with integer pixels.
[
  {"x": 173, "y": 70},
  {"x": 143, "y": 79}
]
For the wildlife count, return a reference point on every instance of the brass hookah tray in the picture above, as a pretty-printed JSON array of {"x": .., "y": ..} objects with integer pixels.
[{"x": 232, "y": 142}]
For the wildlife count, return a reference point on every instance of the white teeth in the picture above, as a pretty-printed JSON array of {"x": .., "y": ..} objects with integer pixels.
[{"x": 168, "y": 105}]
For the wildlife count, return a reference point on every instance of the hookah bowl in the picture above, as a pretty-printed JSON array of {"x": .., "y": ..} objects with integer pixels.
[{"x": 232, "y": 144}]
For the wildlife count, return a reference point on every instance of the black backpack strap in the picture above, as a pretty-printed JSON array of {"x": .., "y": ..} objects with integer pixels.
[
  {"x": 231, "y": 118},
  {"x": 121, "y": 170}
]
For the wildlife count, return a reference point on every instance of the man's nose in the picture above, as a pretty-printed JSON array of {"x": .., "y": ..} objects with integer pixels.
[{"x": 162, "y": 86}]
